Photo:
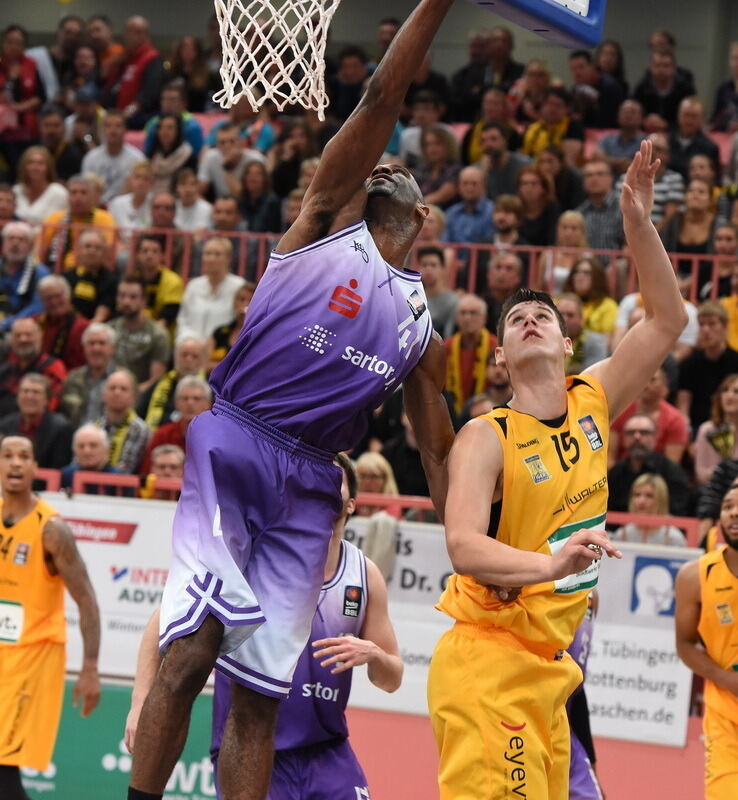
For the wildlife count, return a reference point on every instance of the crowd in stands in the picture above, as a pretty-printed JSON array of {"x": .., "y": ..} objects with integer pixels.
[{"x": 136, "y": 218}]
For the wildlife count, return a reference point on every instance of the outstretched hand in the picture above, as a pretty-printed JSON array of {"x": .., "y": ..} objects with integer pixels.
[{"x": 636, "y": 198}]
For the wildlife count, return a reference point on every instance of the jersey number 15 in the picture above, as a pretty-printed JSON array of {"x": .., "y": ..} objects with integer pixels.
[{"x": 564, "y": 442}]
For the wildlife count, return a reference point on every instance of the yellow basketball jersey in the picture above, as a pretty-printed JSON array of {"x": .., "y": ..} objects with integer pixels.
[
  {"x": 554, "y": 483},
  {"x": 718, "y": 626},
  {"x": 31, "y": 599}
]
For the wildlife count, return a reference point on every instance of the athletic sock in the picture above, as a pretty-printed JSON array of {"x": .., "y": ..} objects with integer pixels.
[
  {"x": 137, "y": 794},
  {"x": 11, "y": 787}
]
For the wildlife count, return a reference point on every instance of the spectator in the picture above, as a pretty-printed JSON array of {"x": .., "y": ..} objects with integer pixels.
[
  {"x": 609, "y": 60},
  {"x": 127, "y": 432},
  {"x": 499, "y": 165},
  {"x": 346, "y": 87},
  {"x": 619, "y": 148},
  {"x": 54, "y": 63},
  {"x": 222, "y": 339},
  {"x": 66, "y": 156},
  {"x": 498, "y": 389},
  {"x": 467, "y": 351},
  {"x": 142, "y": 346},
  {"x": 134, "y": 87},
  {"x": 504, "y": 278},
  {"x": 192, "y": 396},
  {"x": 689, "y": 138},
  {"x": 81, "y": 394},
  {"x": 93, "y": 284},
  {"x": 169, "y": 152},
  {"x": 156, "y": 405},
  {"x": 376, "y": 476},
  {"x": 660, "y": 92},
  {"x": 711, "y": 496},
  {"x": 386, "y": 32},
  {"x": 556, "y": 264},
  {"x": 672, "y": 427},
  {"x": 639, "y": 436},
  {"x": 540, "y": 209},
  {"x": 20, "y": 97},
  {"x": 109, "y": 52},
  {"x": 50, "y": 433},
  {"x": 403, "y": 456},
  {"x": 439, "y": 168},
  {"x": 256, "y": 129},
  {"x": 221, "y": 169},
  {"x": 556, "y": 126},
  {"x": 725, "y": 247},
  {"x": 529, "y": 92},
  {"x": 37, "y": 192},
  {"x": 716, "y": 438},
  {"x": 725, "y": 112},
  {"x": 588, "y": 280},
  {"x": 19, "y": 275},
  {"x": 91, "y": 450},
  {"x": 164, "y": 287},
  {"x": 83, "y": 126},
  {"x": 258, "y": 205},
  {"x": 664, "y": 41},
  {"x": 730, "y": 304},
  {"x": 596, "y": 96},
  {"x": 427, "y": 110},
  {"x": 228, "y": 224},
  {"x": 193, "y": 213},
  {"x": 601, "y": 209},
  {"x": 208, "y": 300},
  {"x": 502, "y": 70},
  {"x": 470, "y": 220},
  {"x": 188, "y": 68},
  {"x": 167, "y": 462},
  {"x": 495, "y": 109},
  {"x": 294, "y": 145},
  {"x": 588, "y": 347},
  {"x": 568, "y": 189},
  {"x": 7, "y": 206},
  {"x": 691, "y": 231},
  {"x": 132, "y": 211},
  {"x": 649, "y": 494},
  {"x": 442, "y": 301},
  {"x": 668, "y": 189},
  {"x": 174, "y": 101},
  {"x": 61, "y": 325},
  {"x": 25, "y": 355},
  {"x": 426, "y": 79},
  {"x": 59, "y": 235},
  {"x": 701, "y": 373},
  {"x": 507, "y": 218},
  {"x": 701, "y": 168},
  {"x": 163, "y": 211},
  {"x": 467, "y": 83},
  {"x": 113, "y": 160},
  {"x": 84, "y": 75}
]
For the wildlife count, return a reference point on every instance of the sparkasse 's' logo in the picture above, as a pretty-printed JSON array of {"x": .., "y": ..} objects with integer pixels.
[{"x": 345, "y": 301}]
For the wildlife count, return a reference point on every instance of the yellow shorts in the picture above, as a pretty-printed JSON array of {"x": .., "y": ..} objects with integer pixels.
[
  {"x": 721, "y": 757},
  {"x": 499, "y": 716},
  {"x": 31, "y": 694}
]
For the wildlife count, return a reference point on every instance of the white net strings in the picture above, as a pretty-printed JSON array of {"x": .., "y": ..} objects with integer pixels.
[{"x": 274, "y": 50}]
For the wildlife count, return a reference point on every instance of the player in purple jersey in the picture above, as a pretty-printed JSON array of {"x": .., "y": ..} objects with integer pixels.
[
  {"x": 351, "y": 627},
  {"x": 335, "y": 326}
]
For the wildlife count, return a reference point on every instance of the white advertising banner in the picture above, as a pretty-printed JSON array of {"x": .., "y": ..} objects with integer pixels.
[{"x": 637, "y": 687}]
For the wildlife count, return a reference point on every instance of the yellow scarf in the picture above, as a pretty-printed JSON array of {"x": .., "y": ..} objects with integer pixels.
[
  {"x": 119, "y": 438},
  {"x": 159, "y": 398},
  {"x": 454, "y": 383}
]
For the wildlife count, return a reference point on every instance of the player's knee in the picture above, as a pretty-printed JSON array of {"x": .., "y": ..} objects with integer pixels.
[{"x": 190, "y": 660}]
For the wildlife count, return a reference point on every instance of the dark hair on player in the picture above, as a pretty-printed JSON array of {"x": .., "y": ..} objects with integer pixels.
[
  {"x": 352, "y": 480},
  {"x": 528, "y": 296}
]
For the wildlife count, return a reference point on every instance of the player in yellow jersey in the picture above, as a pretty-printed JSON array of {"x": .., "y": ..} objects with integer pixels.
[
  {"x": 38, "y": 559},
  {"x": 707, "y": 642},
  {"x": 526, "y": 508}
]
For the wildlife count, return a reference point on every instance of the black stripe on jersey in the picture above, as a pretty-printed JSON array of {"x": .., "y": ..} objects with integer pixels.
[
  {"x": 709, "y": 568},
  {"x": 502, "y": 422},
  {"x": 578, "y": 382},
  {"x": 494, "y": 519}
]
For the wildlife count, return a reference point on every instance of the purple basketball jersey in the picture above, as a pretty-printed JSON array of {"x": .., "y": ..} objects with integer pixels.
[
  {"x": 580, "y": 646},
  {"x": 332, "y": 330},
  {"x": 314, "y": 711}
]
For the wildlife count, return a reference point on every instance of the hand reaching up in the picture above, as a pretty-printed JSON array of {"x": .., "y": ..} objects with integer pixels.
[{"x": 636, "y": 198}]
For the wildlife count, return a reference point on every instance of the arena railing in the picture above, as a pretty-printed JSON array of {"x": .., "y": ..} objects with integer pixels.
[
  {"x": 421, "y": 508},
  {"x": 467, "y": 263}
]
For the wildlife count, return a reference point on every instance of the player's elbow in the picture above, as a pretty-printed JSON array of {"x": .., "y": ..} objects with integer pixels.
[
  {"x": 388, "y": 680},
  {"x": 460, "y": 554}
]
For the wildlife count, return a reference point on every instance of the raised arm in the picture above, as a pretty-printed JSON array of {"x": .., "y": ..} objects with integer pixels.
[
  {"x": 354, "y": 151},
  {"x": 474, "y": 467},
  {"x": 648, "y": 342},
  {"x": 430, "y": 420},
  {"x": 63, "y": 559}
]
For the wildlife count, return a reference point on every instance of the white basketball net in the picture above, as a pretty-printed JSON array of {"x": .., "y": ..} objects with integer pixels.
[{"x": 274, "y": 50}]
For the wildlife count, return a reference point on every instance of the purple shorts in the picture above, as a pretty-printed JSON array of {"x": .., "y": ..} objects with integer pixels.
[
  {"x": 583, "y": 784},
  {"x": 249, "y": 544}
]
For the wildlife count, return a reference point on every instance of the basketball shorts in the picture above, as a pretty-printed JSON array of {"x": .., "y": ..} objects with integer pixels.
[
  {"x": 583, "y": 784},
  {"x": 31, "y": 694},
  {"x": 721, "y": 756},
  {"x": 249, "y": 544},
  {"x": 498, "y": 710}
]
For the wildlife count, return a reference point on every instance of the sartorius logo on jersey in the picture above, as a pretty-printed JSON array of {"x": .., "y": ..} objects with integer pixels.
[{"x": 369, "y": 362}]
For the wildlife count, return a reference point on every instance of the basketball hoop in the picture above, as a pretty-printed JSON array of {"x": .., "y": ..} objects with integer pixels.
[{"x": 274, "y": 50}]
